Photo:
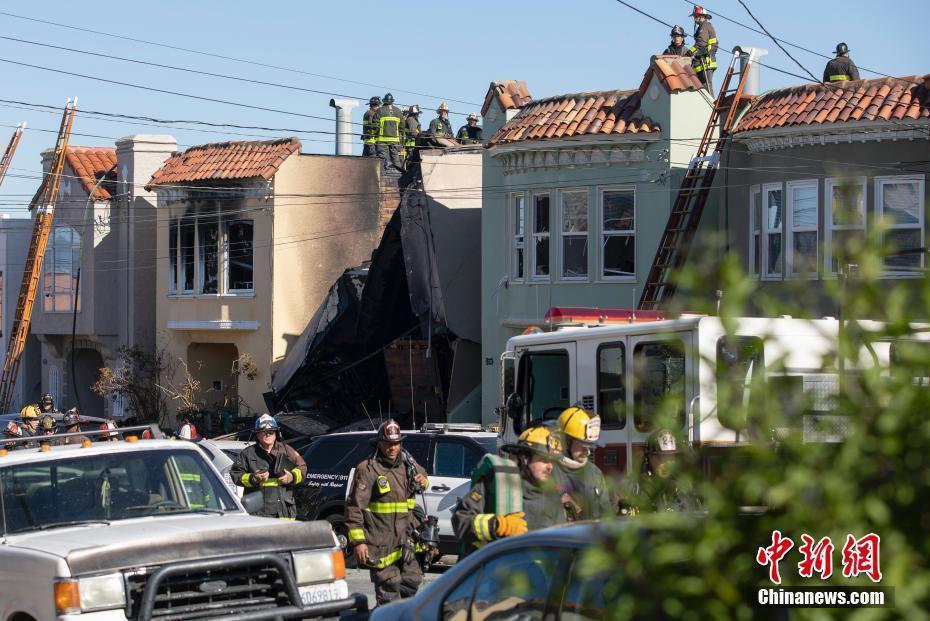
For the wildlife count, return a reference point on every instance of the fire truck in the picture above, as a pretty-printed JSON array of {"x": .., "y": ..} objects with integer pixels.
[{"x": 627, "y": 365}]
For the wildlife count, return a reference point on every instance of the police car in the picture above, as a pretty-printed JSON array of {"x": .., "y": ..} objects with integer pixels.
[{"x": 448, "y": 451}]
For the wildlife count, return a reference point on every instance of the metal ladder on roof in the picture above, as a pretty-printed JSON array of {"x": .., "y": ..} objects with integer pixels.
[
  {"x": 685, "y": 216},
  {"x": 44, "y": 205}
]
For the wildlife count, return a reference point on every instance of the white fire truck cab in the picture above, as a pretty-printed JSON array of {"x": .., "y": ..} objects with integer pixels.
[{"x": 624, "y": 364}]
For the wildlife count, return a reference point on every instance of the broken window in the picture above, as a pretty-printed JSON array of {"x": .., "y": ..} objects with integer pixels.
[
  {"x": 804, "y": 230},
  {"x": 518, "y": 209},
  {"x": 208, "y": 238},
  {"x": 774, "y": 221},
  {"x": 541, "y": 236},
  {"x": 618, "y": 233},
  {"x": 845, "y": 221},
  {"x": 574, "y": 234},
  {"x": 240, "y": 259},
  {"x": 186, "y": 242},
  {"x": 900, "y": 202}
]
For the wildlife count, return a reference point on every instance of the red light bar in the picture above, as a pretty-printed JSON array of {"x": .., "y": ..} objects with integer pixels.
[{"x": 582, "y": 315}]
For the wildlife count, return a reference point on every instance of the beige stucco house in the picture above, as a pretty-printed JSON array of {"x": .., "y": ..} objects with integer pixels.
[{"x": 250, "y": 236}]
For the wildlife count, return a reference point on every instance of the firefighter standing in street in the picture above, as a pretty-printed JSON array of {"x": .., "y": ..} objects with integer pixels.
[
  {"x": 379, "y": 512},
  {"x": 677, "y": 47},
  {"x": 47, "y": 405},
  {"x": 271, "y": 467},
  {"x": 369, "y": 132},
  {"x": 388, "y": 122},
  {"x": 660, "y": 488},
  {"x": 71, "y": 422},
  {"x": 583, "y": 485},
  {"x": 470, "y": 133},
  {"x": 841, "y": 68},
  {"x": 475, "y": 521},
  {"x": 30, "y": 418},
  {"x": 440, "y": 126},
  {"x": 47, "y": 428},
  {"x": 704, "y": 50},
  {"x": 411, "y": 131}
]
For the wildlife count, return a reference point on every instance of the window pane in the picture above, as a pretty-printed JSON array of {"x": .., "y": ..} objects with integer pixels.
[
  {"x": 805, "y": 252},
  {"x": 574, "y": 212},
  {"x": 774, "y": 256},
  {"x": 619, "y": 255},
  {"x": 450, "y": 460},
  {"x": 518, "y": 215},
  {"x": 659, "y": 382},
  {"x": 847, "y": 206},
  {"x": 740, "y": 360},
  {"x": 239, "y": 269},
  {"x": 541, "y": 214},
  {"x": 756, "y": 253},
  {"x": 542, "y": 255},
  {"x": 173, "y": 255},
  {"x": 516, "y": 585},
  {"x": 584, "y": 597},
  {"x": 846, "y": 245},
  {"x": 899, "y": 202},
  {"x": 574, "y": 256},
  {"x": 773, "y": 210},
  {"x": 518, "y": 260},
  {"x": 618, "y": 210},
  {"x": 208, "y": 229},
  {"x": 907, "y": 240},
  {"x": 756, "y": 211},
  {"x": 548, "y": 383},
  {"x": 804, "y": 209},
  {"x": 187, "y": 253},
  {"x": 455, "y": 606},
  {"x": 611, "y": 385},
  {"x": 60, "y": 268}
]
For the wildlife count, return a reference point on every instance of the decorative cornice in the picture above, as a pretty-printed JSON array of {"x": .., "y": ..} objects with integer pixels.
[
  {"x": 816, "y": 135},
  {"x": 584, "y": 156},
  {"x": 212, "y": 325}
]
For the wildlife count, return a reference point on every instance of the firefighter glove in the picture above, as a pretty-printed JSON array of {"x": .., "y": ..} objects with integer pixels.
[{"x": 511, "y": 524}]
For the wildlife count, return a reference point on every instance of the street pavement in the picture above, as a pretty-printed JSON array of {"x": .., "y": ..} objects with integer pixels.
[{"x": 359, "y": 580}]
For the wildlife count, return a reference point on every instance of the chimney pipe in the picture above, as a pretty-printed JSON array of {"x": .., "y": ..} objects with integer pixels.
[
  {"x": 343, "y": 124},
  {"x": 754, "y": 54}
]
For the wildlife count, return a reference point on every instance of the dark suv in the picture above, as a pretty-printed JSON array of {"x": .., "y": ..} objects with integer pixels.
[{"x": 449, "y": 453}]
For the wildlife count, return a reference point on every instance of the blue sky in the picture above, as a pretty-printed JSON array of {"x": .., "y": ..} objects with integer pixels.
[{"x": 424, "y": 52}]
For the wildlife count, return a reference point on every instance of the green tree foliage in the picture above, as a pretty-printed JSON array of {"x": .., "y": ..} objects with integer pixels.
[{"x": 875, "y": 480}]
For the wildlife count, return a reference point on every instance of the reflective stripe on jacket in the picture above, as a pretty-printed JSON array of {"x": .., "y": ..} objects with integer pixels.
[
  {"x": 704, "y": 49},
  {"x": 369, "y": 136},
  {"x": 379, "y": 508},
  {"x": 840, "y": 69},
  {"x": 440, "y": 127},
  {"x": 388, "y": 123},
  {"x": 411, "y": 130},
  {"x": 279, "y": 499}
]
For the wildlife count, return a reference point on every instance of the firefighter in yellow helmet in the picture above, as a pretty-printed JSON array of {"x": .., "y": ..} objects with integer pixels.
[
  {"x": 582, "y": 484},
  {"x": 30, "y": 418},
  {"x": 477, "y": 519}
]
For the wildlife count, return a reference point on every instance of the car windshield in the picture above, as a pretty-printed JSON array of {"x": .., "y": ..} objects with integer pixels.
[
  {"x": 488, "y": 443},
  {"x": 103, "y": 488}
]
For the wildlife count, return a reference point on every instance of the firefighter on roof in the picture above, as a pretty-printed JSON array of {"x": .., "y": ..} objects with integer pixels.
[
  {"x": 677, "y": 47},
  {"x": 273, "y": 468},
  {"x": 379, "y": 512},
  {"x": 509, "y": 498},
  {"x": 369, "y": 133},
  {"x": 411, "y": 130},
  {"x": 841, "y": 68},
  {"x": 470, "y": 133},
  {"x": 583, "y": 486},
  {"x": 388, "y": 121},
  {"x": 704, "y": 50},
  {"x": 440, "y": 126}
]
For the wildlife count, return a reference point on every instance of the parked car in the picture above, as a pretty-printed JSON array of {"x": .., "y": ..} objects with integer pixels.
[
  {"x": 448, "y": 452},
  {"x": 532, "y": 576},
  {"x": 142, "y": 529},
  {"x": 222, "y": 454}
]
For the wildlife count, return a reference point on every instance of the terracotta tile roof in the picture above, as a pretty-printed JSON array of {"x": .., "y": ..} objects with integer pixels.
[
  {"x": 510, "y": 95},
  {"x": 89, "y": 164},
  {"x": 674, "y": 73},
  {"x": 888, "y": 99},
  {"x": 580, "y": 114},
  {"x": 226, "y": 160}
]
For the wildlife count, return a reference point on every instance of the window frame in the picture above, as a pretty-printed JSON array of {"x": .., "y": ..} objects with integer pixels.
[
  {"x": 921, "y": 219},
  {"x": 829, "y": 228},
  {"x": 605, "y": 424},
  {"x": 755, "y": 230},
  {"x": 602, "y": 234},
  {"x": 53, "y": 293},
  {"x": 513, "y": 245},
  {"x": 467, "y": 447},
  {"x": 176, "y": 267},
  {"x": 767, "y": 274},
  {"x": 560, "y": 250},
  {"x": 224, "y": 226},
  {"x": 533, "y": 276},
  {"x": 788, "y": 244}
]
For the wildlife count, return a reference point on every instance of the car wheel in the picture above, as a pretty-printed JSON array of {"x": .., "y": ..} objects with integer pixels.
[{"x": 338, "y": 522}]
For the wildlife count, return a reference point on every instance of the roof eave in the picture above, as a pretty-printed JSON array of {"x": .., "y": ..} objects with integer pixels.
[
  {"x": 854, "y": 131},
  {"x": 592, "y": 140}
]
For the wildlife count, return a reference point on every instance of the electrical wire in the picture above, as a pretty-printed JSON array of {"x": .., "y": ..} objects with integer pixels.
[
  {"x": 778, "y": 43},
  {"x": 230, "y": 58}
]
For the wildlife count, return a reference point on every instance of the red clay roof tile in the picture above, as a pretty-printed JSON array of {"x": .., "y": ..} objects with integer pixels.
[
  {"x": 673, "y": 72},
  {"x": 509, "y": 94},
  {"x": 810, "y": 104},
  {"x": 89, "y": 164},
  {"x": 226, "y": 160}
]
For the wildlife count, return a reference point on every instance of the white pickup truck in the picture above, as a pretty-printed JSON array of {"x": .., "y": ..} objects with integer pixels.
[{"x": 147, "y": 529}]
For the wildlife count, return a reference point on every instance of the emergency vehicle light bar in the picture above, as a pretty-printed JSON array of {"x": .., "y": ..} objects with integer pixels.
[{"x": 578, "y": 315}]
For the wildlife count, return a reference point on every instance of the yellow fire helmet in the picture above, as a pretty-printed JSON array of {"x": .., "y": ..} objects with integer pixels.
[
  {"x": 537, "y": 440},
  {"x": 442, "y": 107},
  {"x": 577, "y": 424},
  {"x": 29, "y": 412}
]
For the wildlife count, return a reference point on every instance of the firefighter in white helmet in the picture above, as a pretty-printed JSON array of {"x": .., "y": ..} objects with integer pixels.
[{"x": 582, "y": 484}]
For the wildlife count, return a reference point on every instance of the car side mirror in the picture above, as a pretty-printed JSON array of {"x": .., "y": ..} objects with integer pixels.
[
  {"x": 515, "y": 411},
  {"x": 253, "y": 502}
]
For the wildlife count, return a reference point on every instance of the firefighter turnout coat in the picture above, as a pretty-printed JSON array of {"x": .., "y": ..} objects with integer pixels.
[
  {"x": 840, "y": 69},
  {"x": 704, "y": 50},
  {"x": 379, "y": 509},
  {"x": 279, "y": 498},
  {"x": 586, "y": 486},
  {"x": 475, "y": 522}
]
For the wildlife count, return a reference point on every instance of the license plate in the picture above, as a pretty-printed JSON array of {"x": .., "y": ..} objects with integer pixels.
[{"x": 319, "y": 593}]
